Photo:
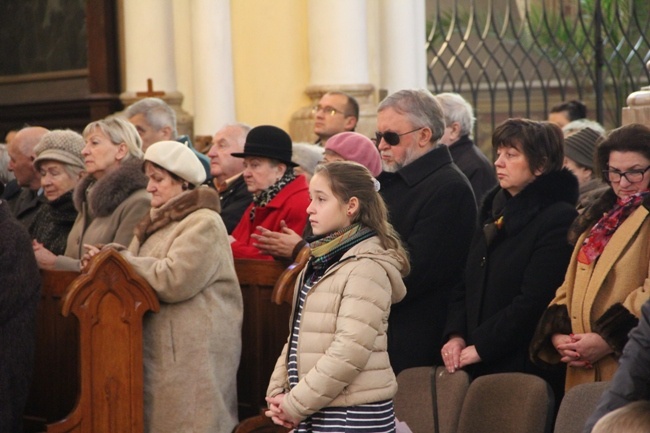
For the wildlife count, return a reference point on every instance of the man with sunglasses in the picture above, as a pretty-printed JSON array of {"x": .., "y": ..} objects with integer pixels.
[
  {"x": 432, "y": 207},
  {"x": 335, "y": 112}
]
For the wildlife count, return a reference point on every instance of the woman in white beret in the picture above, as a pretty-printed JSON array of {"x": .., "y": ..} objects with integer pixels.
[{"x": 193, "y": 345}]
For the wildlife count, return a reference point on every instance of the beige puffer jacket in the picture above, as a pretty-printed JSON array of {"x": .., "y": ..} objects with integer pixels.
[{"x": 342, "y": 347}]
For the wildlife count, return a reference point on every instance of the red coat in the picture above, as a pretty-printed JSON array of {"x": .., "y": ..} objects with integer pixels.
[{"x": 289, "y": 205}]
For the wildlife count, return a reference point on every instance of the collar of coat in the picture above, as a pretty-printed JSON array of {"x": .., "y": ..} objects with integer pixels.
[
  {"x": 176, "y": 209},
  {"x": 106, "y": 194},
  {"x": 594, "y": 212},
  {"x": 548, "y": 189}
]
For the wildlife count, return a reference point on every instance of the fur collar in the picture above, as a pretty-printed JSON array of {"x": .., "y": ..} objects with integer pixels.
[
  {"x": 176, "y": 209},
  {"x": 594, "y": 212},
  {"x": 106, "y": 194},
  {"x": 546, "y": 190}
]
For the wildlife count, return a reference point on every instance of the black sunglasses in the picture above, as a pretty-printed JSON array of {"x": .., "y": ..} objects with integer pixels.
[{"x": 391, "y": 138}]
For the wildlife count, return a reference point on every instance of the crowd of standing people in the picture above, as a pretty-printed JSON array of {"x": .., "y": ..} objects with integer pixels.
[{"x": 421, "y": 251}]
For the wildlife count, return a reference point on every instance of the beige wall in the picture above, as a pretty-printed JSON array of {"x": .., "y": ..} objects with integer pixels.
[{"x": 271, "y": 60}]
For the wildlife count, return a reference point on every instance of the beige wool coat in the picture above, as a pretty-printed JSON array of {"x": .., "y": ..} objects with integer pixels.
[
  {"x": 342, "y": 345},
  {"x": 603, "y": 297},
  {"x": 193, "y": 345},
  {"x": 109, "y": 209}
]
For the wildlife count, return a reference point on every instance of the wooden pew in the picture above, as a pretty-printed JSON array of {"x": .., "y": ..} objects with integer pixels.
[
  {"x": 89, "y": 375},
  {"x": 264, "y": 332}
]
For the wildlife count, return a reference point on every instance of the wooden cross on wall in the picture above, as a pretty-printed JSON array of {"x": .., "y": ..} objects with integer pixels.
[{"x": 150, "y": 92}]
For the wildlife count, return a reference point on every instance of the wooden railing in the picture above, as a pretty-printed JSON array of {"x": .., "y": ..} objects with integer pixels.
[{"x": 88, "y": 370}]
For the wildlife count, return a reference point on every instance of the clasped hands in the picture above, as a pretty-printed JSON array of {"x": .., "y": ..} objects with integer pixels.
[
  {"x": 456, "y": 354},
  {"x": 581, "y": 350},
  {"x": 276, "y": 244},
  {"x": 277, "y": 415}
]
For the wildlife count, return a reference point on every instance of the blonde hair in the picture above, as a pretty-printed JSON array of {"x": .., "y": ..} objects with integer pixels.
[
  {"x": 349, "y": 179},
  {"x": 118, "y": 131},
  {"x": 631, "y": 418}
]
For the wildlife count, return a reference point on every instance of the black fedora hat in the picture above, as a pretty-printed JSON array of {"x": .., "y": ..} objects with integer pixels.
[{"x": 268, "y": 142}]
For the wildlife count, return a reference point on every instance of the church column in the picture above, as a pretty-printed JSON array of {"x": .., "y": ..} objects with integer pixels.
[
  {"x": 338, "y": 59},
  {"x": 402, "y": 29},
  {"x": 149, "y": 54},
  {"x": 212, "y": 64}
]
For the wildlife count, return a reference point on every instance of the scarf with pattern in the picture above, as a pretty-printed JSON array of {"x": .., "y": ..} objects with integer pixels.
[
  {"x": 602, "y": 232},
  {"x": 264, "y": 197},
  {"x": 329, "y": 249}
]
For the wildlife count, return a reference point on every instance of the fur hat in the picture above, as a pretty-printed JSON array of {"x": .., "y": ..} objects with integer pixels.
[
  {"x": 62, "y": 146},
  {"x": 581, "y": 147},
  {"x": 355, "y": 147},
  {"x": 307, "y": 156},
  {"x": 177, "y": 158},
  {"x": 268, "y": 141}
]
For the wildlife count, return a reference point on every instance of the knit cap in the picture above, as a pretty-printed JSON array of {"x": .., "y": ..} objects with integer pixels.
[
  {"x": 61, "y": 145},
  {"x": 353, "y": 146},
  {"x": 581, "y": 147}
]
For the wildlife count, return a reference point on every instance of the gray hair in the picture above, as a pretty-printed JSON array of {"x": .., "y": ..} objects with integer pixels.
[
  {"x": 420, "y": 107},
  {"x": 458, "y": 110},
  {"x": 243, "y": 127},
  {"x": 5, "y": 174},
  {"x": 580, "y": 124},
  {"x": 157, "y": 113},
  {"x": 118, "y": 131}
]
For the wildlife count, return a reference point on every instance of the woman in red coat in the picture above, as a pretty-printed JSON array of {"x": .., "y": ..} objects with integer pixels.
[{"x": 278, "y": 194}]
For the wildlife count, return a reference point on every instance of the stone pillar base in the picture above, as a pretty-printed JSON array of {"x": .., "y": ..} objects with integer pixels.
[
  {"x": 184, "y": 120},
  {"x": 301, "y": 126},
  {"x": 638, "y": 109}
]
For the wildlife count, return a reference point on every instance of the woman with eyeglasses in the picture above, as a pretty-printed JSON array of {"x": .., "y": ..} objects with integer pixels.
[{"x": 587, "y": 324}]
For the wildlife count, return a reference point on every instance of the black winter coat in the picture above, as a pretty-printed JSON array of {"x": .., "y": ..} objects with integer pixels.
[
  {"x": 512, "y": 272},
  {"x": 432, "y": 207},
  {"x": 234, "y": 201},
  {"x": 53, "y": 222},
  {"x": 20, "y": 285}
]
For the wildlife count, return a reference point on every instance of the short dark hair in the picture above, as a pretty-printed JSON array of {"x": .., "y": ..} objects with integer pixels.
[
  {"x": 575, "y": 109},
  {"x": 541, "y": 142},
  {"x": 629, "y": 138},
  {"x": 351, "y": 106}
]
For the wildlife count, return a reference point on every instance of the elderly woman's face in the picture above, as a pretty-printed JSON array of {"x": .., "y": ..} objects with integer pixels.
[
  {"x": 260, "y": 173},
  {"x": 100, "y": 154},
  {"x": 513, "y": 169},
  {"x": 635, "y": 167},
  {"x": 162, "y": 186},
  {"x": 55, "y": 179}
]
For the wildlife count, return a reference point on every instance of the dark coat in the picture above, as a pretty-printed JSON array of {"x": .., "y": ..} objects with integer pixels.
[
  {"x": 631, "y": 382},
  {"x": 53, "y": 222},
  {"x": 23, "y": 202},
  {"x": 431, "y": 206},
  {"x": 475, "y": 165},
  {"x": 234, "y": 201},
  {"x": 512, "y": 272},
  {"x": 19, "y": 295}
]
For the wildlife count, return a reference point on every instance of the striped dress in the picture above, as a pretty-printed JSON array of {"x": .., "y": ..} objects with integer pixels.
[{"x": 376, "y": 417}]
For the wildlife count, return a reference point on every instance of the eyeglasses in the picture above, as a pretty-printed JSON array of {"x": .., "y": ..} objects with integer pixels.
[
  {"x": 331, "y": 111},
  {"x": 632, "y": 176},
  {"x": 391, "y": 138}
]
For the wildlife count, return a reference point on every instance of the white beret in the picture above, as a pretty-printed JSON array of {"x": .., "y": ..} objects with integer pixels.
[{"x": 177, "y": 158}]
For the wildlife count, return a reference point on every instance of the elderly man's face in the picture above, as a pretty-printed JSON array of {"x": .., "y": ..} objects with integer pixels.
[
  {"x": 147, "y": 133},
  {"x": 19, "y": 163},
  {"x": 226, "y": 141},
  {"x": 330, "y": 116},
  {"x": 395, "y": 157}
]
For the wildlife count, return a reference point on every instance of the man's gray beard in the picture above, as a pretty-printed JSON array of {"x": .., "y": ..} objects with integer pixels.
[{"x": 395, "y": 166}]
